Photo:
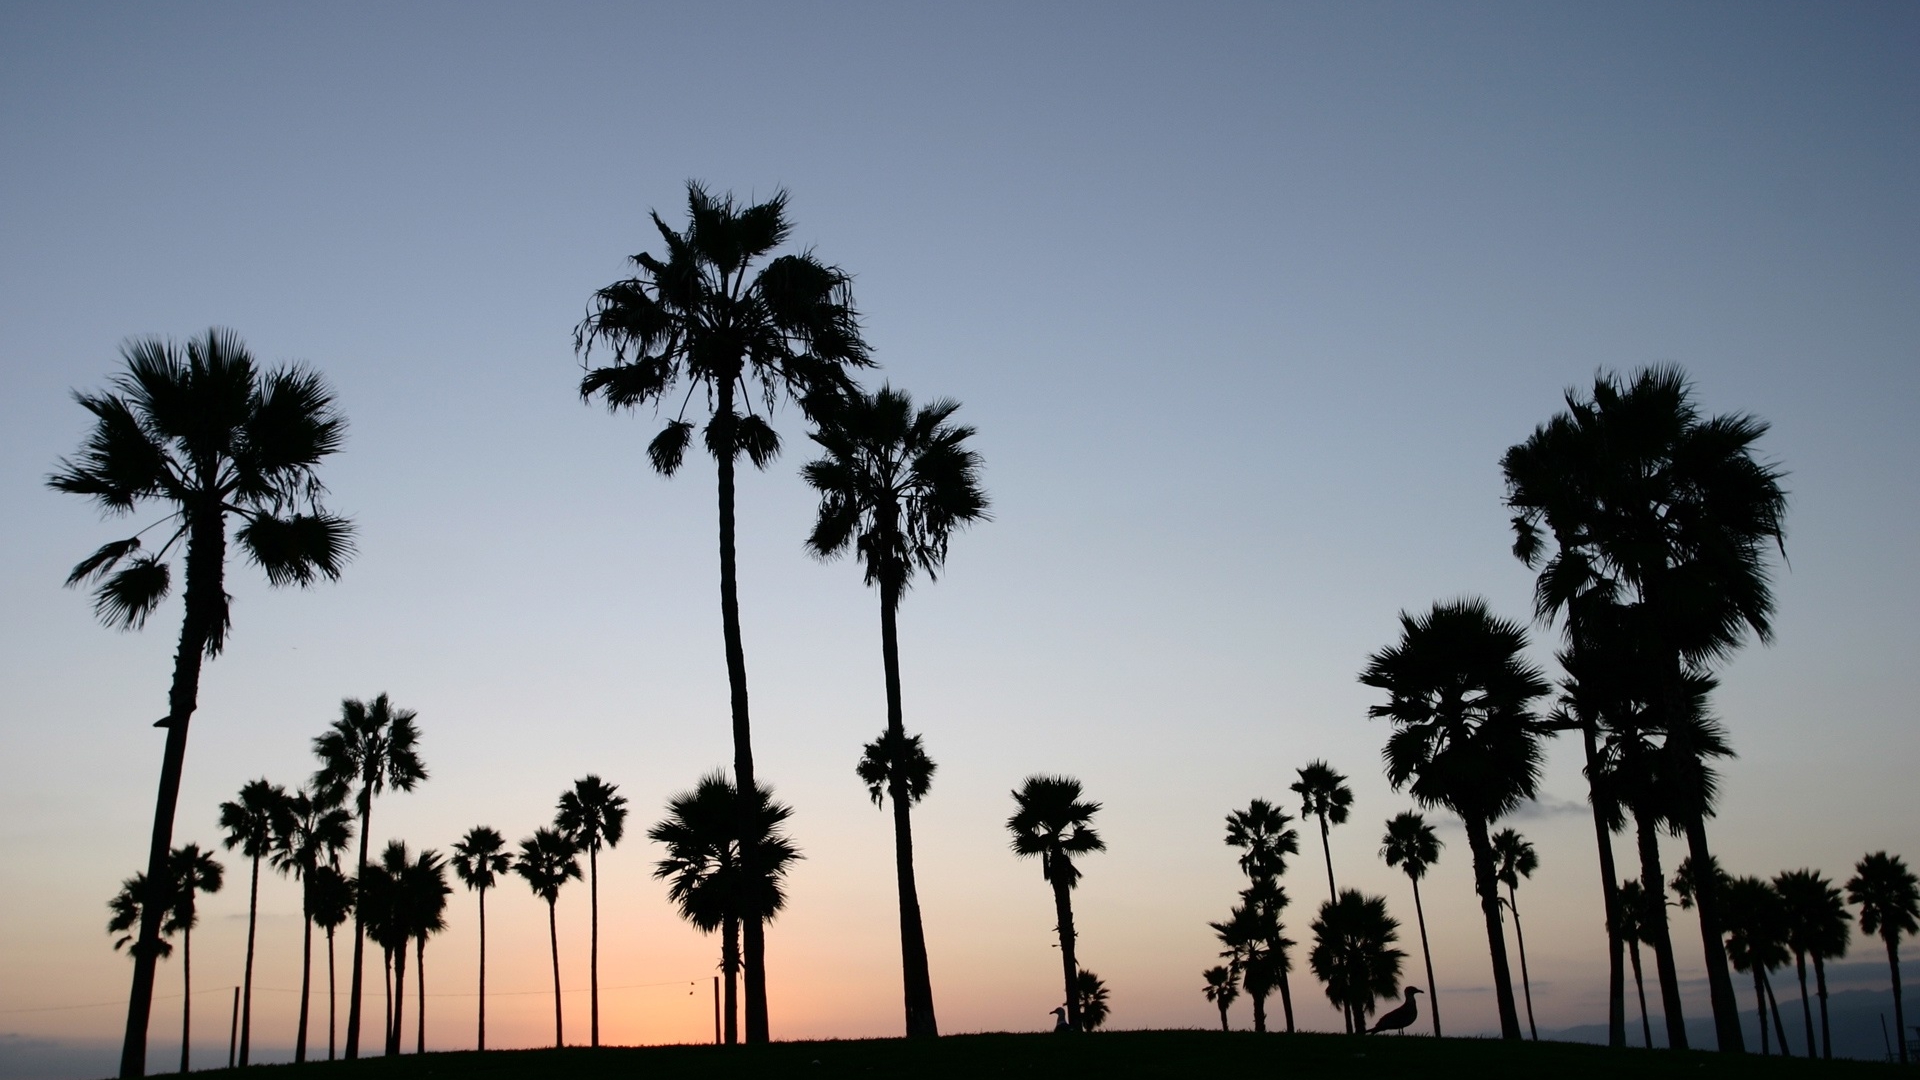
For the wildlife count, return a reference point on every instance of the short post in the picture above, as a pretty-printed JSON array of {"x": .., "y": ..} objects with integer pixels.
[{"x": 233, "y": 1029}]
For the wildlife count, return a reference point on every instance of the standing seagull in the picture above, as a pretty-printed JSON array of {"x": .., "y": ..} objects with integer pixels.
[{"x": 1402, "y": 1017}]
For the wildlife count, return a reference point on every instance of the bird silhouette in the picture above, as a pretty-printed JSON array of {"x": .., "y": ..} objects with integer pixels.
[
  {"x": 1400, "y": 1018},
  {"x": 1060, "y": 1021}
]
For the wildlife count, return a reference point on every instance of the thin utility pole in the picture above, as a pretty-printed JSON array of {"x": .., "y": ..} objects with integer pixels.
[
  {"x": 233, "y": 1029},
  {"x": 716, "y": 1010}
]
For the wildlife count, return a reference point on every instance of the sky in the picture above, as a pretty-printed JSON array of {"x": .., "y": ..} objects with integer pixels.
[{"x": 1245, "y": 302}]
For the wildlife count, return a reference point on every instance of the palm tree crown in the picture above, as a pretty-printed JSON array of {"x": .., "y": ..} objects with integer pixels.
[
  {"x": 372, "y": 747},
  {"x": 1053, "y": 823},
  {"x": 479, "y": 858},
  {"x": 1353, "y": 954},
  {"x": 547, "y": 861},
  {"x": 1265, "y": 836},
  {"x": 1410, "y": 844}
]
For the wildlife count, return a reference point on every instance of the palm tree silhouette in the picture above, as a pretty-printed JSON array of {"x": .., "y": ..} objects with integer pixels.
[
  {"x": 1353, "y": 954},
  {"x": 1888, "y": 897},
  {"x": 1464, "y": 738},
  {"x": 701, "y": 316},
  {"x": 330, "y": 897},
  {"x": 387, "y": 906},
  {"x": 479, "y": 861},
  {"x": 1411, "y": 844},
  {"x": 369, "y": 749},
  {"x": 590, "y": 815},
  {"x": 1221, "y": 990},
  {"x": 1630, "y": 922},
  {"x": 253, "y": 822},
  {"x": 1324, "y": 794},
  {"x": 1092, "y": 992},
  {"x": 1265, "y": 836},
  {"x": 547, "y": 861},
  {"x": 1515, "y": 859},
  {"x": 423, "y": 901},
  {"x": 1651, "y": 506},
  {"x": 190, "y": 872},
  {"x": 894, "y": 484},
  {"x": 1051, "y": 822},
  {"x": 313, "y": 832},
  {"x": 1756, "y": 922},
  {"x": 201, "y": 430},
  {"x": 126, "y": 909},
  {"x": 1817, "y": 926}
]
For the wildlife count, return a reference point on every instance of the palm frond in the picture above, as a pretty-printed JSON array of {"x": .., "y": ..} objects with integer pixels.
[
  {"x": 125, "y": 600},
  {"x": 298, "y": 549}
]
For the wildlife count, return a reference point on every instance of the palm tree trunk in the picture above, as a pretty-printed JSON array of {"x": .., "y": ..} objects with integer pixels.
[
  {"x": 593, "y": 949},
  {"x": 1420, "y": 915},
  {"x": 1526, "y": 981},
  {"x": 1609, "y": 895},
  {"x": 386, "y": 1018},
  {"x": 1063, "y": 921},
  {"x": 1760, "y": 1010},
  {"x": 206, "y": 565},
  {"x": 1820, "y": 988},
  {"x": 730, "y": 967},
  {"x": 359, "y": 931},
  {"x": 1223, "y": 1016},
  {"x": 1899, "y": 1007},
  {"x": 332, "y": 990},
  {"x": 246, "y": 998},
  {"x": 553, "y": 938},
  {"x": 1327, "y": 849},
  {"x": 420, "y": 994},
  {"x": 1726, "y": 1011},
  {"x": 1286, "y": 999},
  {"x": 1773, "y": 1006},
  {"x": 306, "y": 985},
  {"x": 1485, "y": 885},
  {"x": 1654, "y": 933},
  {"x": 1259, "y": 1010},
  {"x": 483, "y": 969},
  {"x": 1640, "y": 987},
  {"x": 186, "y": 996},
  {"x": 1806, "y": 1007},
  {"x": 917, "y": 981},
  {"x": 399, "y": 998}
]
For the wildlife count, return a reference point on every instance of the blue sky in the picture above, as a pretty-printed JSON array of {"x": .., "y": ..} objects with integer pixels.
[{"x": 1245, "y": 301}]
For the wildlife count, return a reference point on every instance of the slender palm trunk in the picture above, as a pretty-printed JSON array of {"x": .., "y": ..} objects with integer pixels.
[
  {"x": 1806, "y": 1006},
  {"x": 1326, "y": 849},
  {"x": 332, "y": 992},
  {"x": 359, "y": 930},
  {"x": 206, "y": 565},
  {"x": 399, "y": 998},
  {"x": 420, "y": 994},
  {"x": 1726, "y": 1010},
  {"x": 917, "y": 981},
  {"x": 1063, "y": 916},
  {"x": 306, "y": 986},
  {"x": 753, "y": 930},
  {"x": 1773, "y": 1006},
  {"x": 1899, "y": 1007},
  {"x": 1286, "y": 999},
  {"x": 483, "y": 969},
  {"x": 1760, "y": 1010},
  {"x": 186, "y": 998},
  {"x": 1485, "y": 885},
  {"x": 386, "y": 1018},
  {"x": 1655, "y": 933},
  {"x": 246, "y": 998},
  {"x": 1820, "y": 989},
  {"x": 730, "y": 967},
  {"x": 1420, "y": 916},
  {"x": 1223, "y": 1015},
  {"x": 1259, "y": 1009},
  {"x": 1609, "y": 896},
  {"x": 593, "y": 948},
  {"x": 553, "y": 938},
  {"x": 1640, "y": 987},
  {"x": 1526, "y": 981}
]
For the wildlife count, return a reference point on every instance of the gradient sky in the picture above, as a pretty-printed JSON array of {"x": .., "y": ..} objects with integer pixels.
[{"x": 1245, "y": 300}]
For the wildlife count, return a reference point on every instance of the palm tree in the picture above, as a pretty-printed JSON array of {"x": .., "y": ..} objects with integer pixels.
[
  {"x": 709, "y": 882},
  {"x": 423, "y": 900},
  {"x": 1412, "y": 845},
  {"x": 547, "y": 861},
  {"x": 386, "y": 902},
  {"x": 894, "y": 484},
  {"x": 480, "y": 862},
  {"x": 201, "y": 430},
  {"x": 1324, "y": 794},
  {"x": 703, "y": 318},
  {"x": 1630, "y": 920},
  {"x": 1659, "y": 509},
  {"x": 1888, "y": 897},
  {"x": 1093, "y": 1000},
  {"x": 1817, "y": 926},
  {"x": 590, "y": 815},
  {"x": 1265, "y": 836},
  {"x": 1051, "y": 822},
  {"x": 370, "y": 748},
  {"x": 1353, "y": 954},
  {"x": 315, "y": 829},
  {"x": 253, "y": 822},
  {"x": 1221, "y": 990},
  {"x": 1756, "y": 922},
  {"x": 330, "y": 898},
  {"x": 1516, "y": 859},
  {"x": 191, "y": 872},
  {"x": 1464, "y": 738},
  {"x": 127, "y": 907}
]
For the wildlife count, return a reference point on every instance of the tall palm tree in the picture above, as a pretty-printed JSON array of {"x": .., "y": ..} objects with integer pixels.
[
  {"x": 1515, "y": 859},
  {"x": 371, "y": 748},
  {"x": 1630, "y": 921},
  {"x": 1353, "y": 954},
  {"x": 1052, "y": 822},
  {"x": 253, "y": 822},
  {"x": 315, "y": 829},
  {"x": 1756, "y": 922},
  {"x": 590, "y": 815},
  {"x": 547, "y": 861},
  {"x": 1817, "y": 926},
  {"x": 1888, "y": 897},
  {"x": 1578, "y": 711},
  {"x": 1324, "y": 794},
  {"x": 192, "y": 872},
  {"x": 1265, "y": 836},
  {"x": 479, "y": 861},
  {"x": 1092, "y": 991},
  {"x": 423, "y": 900},
  {"x": 1666, "y": 511},
  {"x": 388, "y": 908},
  {"x": 1221, "y": 990},
  {"x": 202, "y": 431},
  {"x": 330, "y": 897},
  {"x": 1257, "y": 949},
  {"x": 1464, "y": 739},
  {"x": 722, "y": 319},
  {"x": 1412, "y": 845},
  {"x": 894, "y": 484},
  {"x": 709, "y": 884}
]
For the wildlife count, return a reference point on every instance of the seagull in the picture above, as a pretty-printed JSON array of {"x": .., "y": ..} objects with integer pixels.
[
  {"x": 1400, "y": 1018},
  {"x": 1060, "y": 1021}
]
